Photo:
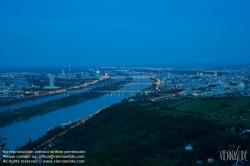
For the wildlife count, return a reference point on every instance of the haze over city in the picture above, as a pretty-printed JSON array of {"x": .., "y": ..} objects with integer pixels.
[
  {"x": 133, "y": 82},
  {"x": 83, "y": 33}
]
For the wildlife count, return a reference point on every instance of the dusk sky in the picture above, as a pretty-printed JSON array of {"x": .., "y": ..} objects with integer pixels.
[{"x": 125, "y": 32}]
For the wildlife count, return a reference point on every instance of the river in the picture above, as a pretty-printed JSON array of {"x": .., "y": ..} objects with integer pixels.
[
  {"x": 43, "y": 99},
  {"x": 19, "y": 133}
]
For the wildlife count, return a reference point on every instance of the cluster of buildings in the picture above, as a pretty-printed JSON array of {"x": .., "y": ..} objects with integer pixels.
[
  {"x": 14, "y": 85},
  {"x": 78, "y": 75},
  {"x": 206, "y": 83},
  {"x": 15, "y": 89},
  {"x": 188, "y": 81}
]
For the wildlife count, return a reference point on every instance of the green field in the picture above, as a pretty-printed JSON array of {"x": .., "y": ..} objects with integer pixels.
[{"x": 226, "y": 109}]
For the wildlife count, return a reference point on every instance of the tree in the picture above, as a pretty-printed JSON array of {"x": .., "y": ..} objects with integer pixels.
[
  {"x": 2, "y": 146},
  {"x": 241, "y": 125},
  {"x": 240, "y": 111}
]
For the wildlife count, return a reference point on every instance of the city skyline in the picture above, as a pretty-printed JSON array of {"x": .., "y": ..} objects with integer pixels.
[{"x": 134, "y": 82}]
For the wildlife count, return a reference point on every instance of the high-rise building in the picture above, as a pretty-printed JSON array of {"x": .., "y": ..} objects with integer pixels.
[
  {"x": 84, "y": 75},
  {"x": 221, "y": 84},
  {"x": 63, "y": 75},
  {"x": 241, "y": 86},
  {"x": 98, "y": 74},
  {"x": 210, "y": 79},
  {"x": 69, "y": 69},
  {"x": 51, "y": 80},
  {"x": 73, "y": 75}
]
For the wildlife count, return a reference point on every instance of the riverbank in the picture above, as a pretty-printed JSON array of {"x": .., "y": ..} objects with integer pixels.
[
  {"x": 142, "y": 132},
  {"x": 25, "y": 113},
  {"x": 32, "y": 98}
]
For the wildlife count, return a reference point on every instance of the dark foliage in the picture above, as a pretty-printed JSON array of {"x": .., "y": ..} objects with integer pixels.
[{"x": 136, "y": 135}]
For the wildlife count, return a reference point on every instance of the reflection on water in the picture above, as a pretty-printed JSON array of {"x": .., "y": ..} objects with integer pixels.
[
  {"x": 18, "y": 134},
  {"x": 47, "y": 98},
  {"x": 51, "y": 97}
]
